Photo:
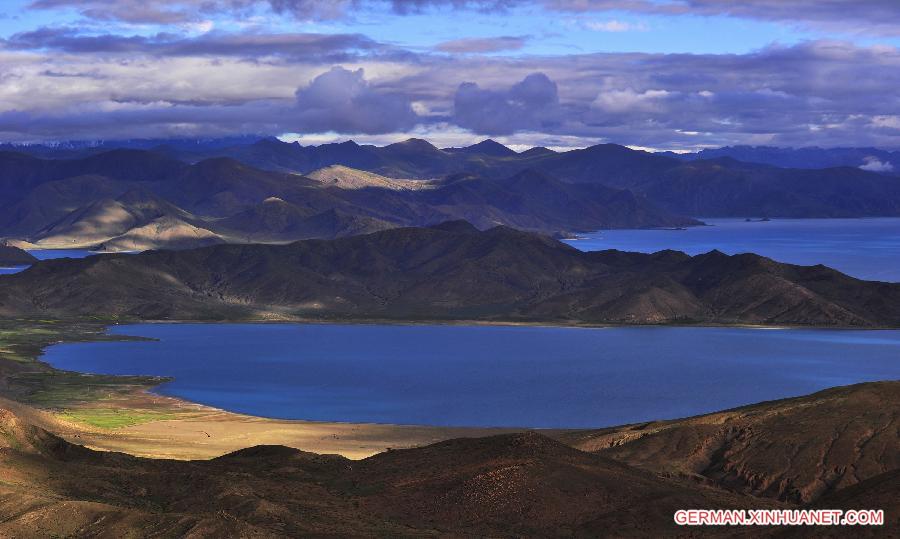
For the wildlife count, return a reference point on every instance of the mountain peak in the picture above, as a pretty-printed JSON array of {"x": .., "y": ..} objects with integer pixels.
[
  {"x": 489, "y": 147},
  {"x": 537, "y": 151},
  {"x": 414, "y": 143}
]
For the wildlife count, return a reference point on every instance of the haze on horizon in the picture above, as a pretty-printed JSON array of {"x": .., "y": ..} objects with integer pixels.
[{"x": 678, "y": 75}]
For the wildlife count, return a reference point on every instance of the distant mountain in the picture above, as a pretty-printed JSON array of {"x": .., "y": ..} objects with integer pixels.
[
  {"x": 871, "y": 159},
  {"x": 350, "y": 178},
  {"x": 82, "y": 148},
  {"x": 725, "y": 187},
  {"x": 603, "y": 186},
  {"x": 448, "y": 272},
  {"x": 485, "y": 147},
  {"x": 537, "y": 151},
  {"x": 94, "y": 200},
  {"x": 732, "y": 184},
  {"x": 164, "y": 232},
  {"x": 106, "y": 219},
  {"x": 531, "y": 200},
  {"x": 276, "y": 220}
]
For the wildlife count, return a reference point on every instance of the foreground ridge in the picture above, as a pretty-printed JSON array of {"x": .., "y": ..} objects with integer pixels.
[{"x": 507, "y": 485}]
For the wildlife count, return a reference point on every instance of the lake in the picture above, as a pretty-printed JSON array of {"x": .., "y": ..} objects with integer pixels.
[
  {"x": 486, "y": 375},
  {"x": 864, "y": 248}
]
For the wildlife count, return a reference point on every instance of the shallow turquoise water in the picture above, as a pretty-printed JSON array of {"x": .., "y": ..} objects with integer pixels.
[{"x": 486, "y": 376}]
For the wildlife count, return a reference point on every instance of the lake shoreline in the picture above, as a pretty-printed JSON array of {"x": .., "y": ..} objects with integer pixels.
[
  {"x": 202, "y": 432},
  {"x": 308, "y": 390},
  {"x": 71, "y": 405}
]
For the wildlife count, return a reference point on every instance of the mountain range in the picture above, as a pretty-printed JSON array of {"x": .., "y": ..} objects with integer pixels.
[
  {"x": 192, "y": 194},
  {"x": 451, "y": 271},
  {"x": 872, "y": 159},
  {"x": 135, "y": 199}
]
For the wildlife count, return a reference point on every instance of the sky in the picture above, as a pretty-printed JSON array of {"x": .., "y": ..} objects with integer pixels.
[{"x": 658, "y": 74}]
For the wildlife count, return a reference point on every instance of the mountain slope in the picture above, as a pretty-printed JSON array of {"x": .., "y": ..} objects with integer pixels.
[
  {"x": 136, "y": 220},
  {"x": 450, "y": 272},
  {"x": 522, "y": 485},
  {"x": 349, "y": 178},
  {"x": 13, "y": 256},
  {"x": 795, "y": 450}
]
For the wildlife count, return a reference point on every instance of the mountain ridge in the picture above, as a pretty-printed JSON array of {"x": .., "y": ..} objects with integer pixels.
[{"x": 449, "y": 273}]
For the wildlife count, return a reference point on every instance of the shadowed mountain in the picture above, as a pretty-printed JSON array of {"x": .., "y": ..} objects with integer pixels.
[
  {"x": 537, "y": 151},
  {"x": 811, "y": 157},
  {"x": 449, "y": 272},
  {"x": 486, "y": 147},
  {"x": 522, "y": 485},
  {"x": 275, "y": 219},
  {"x": 531, "y": 200},
  {"x": 13, "y": 256}
]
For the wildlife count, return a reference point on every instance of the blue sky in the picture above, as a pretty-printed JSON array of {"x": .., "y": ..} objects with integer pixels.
[
  {"x": 681, "y": 74},
  {"x": 547, "y": 32}
]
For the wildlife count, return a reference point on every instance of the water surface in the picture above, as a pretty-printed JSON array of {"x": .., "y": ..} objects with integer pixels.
[
  {"x": 864, "y": 248},
  {"x": 486, "y": 376}
]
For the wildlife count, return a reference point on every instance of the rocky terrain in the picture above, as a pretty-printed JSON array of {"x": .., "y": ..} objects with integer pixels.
[
  {"x": 451, "y": 271},
  {"x": 613, "y": 483}
]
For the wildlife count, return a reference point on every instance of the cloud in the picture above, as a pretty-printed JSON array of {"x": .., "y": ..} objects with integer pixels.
[
  {"x": 531, "y": 104},
  {"x": 873, "y": 164},
  {"x": 613, "y": 25},
  {"x": 820, "y": 93},
  {"x": 858, "y": 16},
  {"x": 628, "y": 100},
  {"x": 306, "y": 47},
  {"x": 483, "y": 45},
  {"x": 182, "y": 11},
  {"x": 344, "y": 101}
]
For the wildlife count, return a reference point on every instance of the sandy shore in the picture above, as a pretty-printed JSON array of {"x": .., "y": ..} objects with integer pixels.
[{"x": 201, "y": 432}]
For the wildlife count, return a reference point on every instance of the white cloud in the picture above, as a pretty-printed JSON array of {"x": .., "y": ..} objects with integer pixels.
[
  {"x": 873, "y": 164},
  {"x": 629, "y": 100},
  {"x": 614, "y": 25}
]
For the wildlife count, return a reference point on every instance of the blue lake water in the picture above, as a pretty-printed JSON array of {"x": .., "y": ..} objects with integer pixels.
[
  {"x": 864, "y": 248},
  {"x": 486, "y": 376}
]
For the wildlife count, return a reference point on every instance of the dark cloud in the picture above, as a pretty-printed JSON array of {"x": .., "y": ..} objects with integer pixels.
[
  {"x": 343, "y": 101},
  {"x": 483, "y": 45},
  {"x": 306, "y": 47},
  {"x": 531, "y": 104}
]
